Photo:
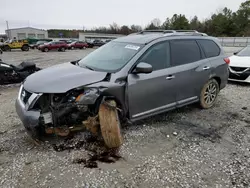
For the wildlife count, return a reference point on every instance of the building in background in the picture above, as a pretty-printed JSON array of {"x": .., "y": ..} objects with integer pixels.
[
  {"x": 26, "y": 32},
  {"x": 97, "y": 36}
]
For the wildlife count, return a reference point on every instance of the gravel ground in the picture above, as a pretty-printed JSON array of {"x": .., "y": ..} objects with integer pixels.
[{"x": 188, "y": 147}]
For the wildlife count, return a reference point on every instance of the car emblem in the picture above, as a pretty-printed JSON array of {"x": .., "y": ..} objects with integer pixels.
[{"x": 23, "y": 94}]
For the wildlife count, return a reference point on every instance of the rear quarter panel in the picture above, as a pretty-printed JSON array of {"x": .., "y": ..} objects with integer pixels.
[{"x": 220, "y": 70}]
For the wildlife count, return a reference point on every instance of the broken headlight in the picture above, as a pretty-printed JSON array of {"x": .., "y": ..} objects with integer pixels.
[{"x": 89, "y": 96}]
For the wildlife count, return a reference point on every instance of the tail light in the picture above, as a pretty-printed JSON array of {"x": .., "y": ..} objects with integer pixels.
[{"x": 227, "y": 60}]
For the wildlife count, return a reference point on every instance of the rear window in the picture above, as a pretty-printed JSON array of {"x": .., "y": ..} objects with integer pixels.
[
  {"x": 184, "y": 52},
  {"x": 210, "y": 48}
]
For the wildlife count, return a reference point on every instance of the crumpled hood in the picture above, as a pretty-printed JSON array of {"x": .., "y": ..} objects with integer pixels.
[
  {"x": 239, "y": 61},
  {"x": 61, "y": 78}
]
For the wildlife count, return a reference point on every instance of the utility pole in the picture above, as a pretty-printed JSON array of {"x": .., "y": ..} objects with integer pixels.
[{"x": 8, "y": 32}]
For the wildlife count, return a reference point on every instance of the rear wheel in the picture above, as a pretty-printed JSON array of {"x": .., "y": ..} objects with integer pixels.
[
  {"x": 25, "y": 48},
  {"x": 209, "y": 94},
  {"x": 110, "y": 124}
]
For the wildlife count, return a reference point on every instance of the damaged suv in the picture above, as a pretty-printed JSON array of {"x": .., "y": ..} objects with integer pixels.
[{"x": 127, "y": 79}]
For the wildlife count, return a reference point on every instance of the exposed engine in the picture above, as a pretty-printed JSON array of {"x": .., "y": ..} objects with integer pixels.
[{"x": 64, "y": 109}]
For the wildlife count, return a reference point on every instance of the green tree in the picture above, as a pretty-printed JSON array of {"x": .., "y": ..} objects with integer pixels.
[{"x": 179, "y": 22}]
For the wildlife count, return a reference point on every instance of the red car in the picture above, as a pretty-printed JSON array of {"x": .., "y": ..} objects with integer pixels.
[
  {"x": 54, "y": 45},
  {"x": 78, "y": 44}
]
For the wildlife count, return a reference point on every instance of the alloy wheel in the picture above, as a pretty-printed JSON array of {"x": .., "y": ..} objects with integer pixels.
[{"x": 210, "y": 93}]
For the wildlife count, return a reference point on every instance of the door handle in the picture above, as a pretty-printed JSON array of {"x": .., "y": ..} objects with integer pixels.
[
  {"x": 170, "y": 77},
  {"x": 206, "y": 68}
]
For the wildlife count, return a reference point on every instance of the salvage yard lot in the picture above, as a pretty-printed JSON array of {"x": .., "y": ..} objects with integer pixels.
[{"x": 188, "y": 147}]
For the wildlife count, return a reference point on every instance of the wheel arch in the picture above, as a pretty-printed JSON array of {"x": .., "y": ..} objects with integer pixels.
[{"x": 218, "y": 79}]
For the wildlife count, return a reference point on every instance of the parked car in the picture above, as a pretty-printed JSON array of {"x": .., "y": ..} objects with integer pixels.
[
  {"x": 128, "y": 79},
  {"x": 106, "y": 41},
  {"x": 240, "y": 66},
  {"x": 38, "y": 43},
  {"x": 55, "y": 45},
  {"x": 98, "y": 43},
  {"x": 78, "y": 45}
]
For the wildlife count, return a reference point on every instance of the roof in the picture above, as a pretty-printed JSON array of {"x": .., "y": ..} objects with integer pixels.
[
  {"x": 25, "y": 28},
  {"x": 140, "y": 38},
  {"x": 144, "y": 38}
]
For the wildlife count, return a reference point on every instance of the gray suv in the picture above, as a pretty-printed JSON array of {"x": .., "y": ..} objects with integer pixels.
[{"x": 127, "y": 79}]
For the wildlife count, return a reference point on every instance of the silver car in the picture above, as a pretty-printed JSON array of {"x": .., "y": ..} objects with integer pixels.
[{"x": 127, "y": 79}]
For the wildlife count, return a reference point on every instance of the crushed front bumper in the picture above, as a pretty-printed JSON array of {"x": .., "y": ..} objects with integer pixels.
[{"x": 29, "y": 118}]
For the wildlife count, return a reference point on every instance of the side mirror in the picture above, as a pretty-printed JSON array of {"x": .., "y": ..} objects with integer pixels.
[
  {"x": 143, "y": 68},
  {"x": 235, "y": 53}
]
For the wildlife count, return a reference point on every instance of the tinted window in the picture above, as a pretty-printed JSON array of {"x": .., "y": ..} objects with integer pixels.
[
  {"x": 184, "y": 51},
  {"x": 158, "y": 56},
  {"x": 210, "y": 48}
]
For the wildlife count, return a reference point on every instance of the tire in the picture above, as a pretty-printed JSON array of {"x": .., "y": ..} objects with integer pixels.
[
  {"x": 7, "y": 48},
  {"x": 62, "y": 49},
  {"x": 45, "y": 50},
  {"x": 25, "y": 48},
  {"x": 209, "y": 94},
  {"x": 110, "y": 124}
]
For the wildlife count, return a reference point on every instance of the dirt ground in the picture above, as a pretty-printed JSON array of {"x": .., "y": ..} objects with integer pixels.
[{"x": 188, "y": 147}]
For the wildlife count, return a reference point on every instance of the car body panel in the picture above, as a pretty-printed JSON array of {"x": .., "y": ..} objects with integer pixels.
[
  {"x": 239, "y": 68},
  {"x": 144, "y": 94},
  {"x": 240, "y": 61},
  {"x": 62, "y": 78}
]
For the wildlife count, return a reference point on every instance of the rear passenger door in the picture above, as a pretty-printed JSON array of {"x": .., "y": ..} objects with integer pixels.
[{"x": 192, "y": 70}]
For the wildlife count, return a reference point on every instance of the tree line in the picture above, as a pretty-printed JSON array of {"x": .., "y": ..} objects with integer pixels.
[{"x": 223, "y": 23}]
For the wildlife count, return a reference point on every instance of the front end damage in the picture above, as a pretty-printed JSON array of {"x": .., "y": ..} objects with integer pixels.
[{"x": 76, "y": 110}]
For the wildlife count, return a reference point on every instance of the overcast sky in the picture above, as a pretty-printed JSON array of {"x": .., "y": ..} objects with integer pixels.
[{"x": 74, "y": 14}]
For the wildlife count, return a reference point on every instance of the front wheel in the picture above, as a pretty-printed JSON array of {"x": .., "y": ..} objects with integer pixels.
[
  {"x": 7, "y": 48},
  {"x": 209, "y": 94},
  {"x": 62, "y": 49},
  {"x": 110, "y": 124}
]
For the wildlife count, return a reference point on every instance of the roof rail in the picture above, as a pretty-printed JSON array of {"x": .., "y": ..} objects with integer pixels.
[
  {"x": 188, "y": 34},
  {"x": 182, "y": 31},
  {"x": 171, "y": 31}
]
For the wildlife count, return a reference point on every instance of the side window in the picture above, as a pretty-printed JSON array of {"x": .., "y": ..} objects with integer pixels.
[
  {"x": 184, "y": 52},
  {"x": 210, "y": 48},
  {"x": 157, "y": 55}
]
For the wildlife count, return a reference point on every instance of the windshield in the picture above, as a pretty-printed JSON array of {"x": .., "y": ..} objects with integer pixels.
[
  {"x": 110, "y": 57},
  {"x": 244, "y": 52}
]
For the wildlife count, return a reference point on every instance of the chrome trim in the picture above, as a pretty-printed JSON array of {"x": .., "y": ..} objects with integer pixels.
[
  {"x": 239, "y": 72},
  {"x": 19, "y": 97},
  {"x": 154, "y": 110},
  {"x": 32, "y": 100},
  {"x": 187, "y": 100}
]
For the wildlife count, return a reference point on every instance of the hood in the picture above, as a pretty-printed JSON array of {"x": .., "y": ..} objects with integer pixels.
[
  {"x": 239, "y": 61},
  {"x": 61, "y": 78}
]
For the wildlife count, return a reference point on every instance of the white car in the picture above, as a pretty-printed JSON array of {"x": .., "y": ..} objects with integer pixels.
[{"x": 239, "y": 69}]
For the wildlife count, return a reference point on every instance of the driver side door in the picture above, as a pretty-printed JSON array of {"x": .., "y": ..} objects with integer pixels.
[{"x": 152, "y": 93}]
